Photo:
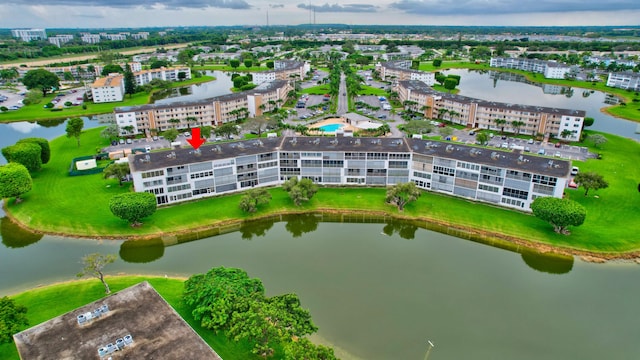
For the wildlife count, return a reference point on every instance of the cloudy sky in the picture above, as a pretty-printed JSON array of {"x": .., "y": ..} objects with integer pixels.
[{"x": 149, "y": 13}]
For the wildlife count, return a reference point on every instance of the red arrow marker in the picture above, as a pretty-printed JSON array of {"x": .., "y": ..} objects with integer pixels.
[{"x": 195, "y": 140}]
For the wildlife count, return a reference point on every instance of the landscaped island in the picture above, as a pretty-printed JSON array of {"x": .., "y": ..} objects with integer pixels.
[{"x": 606, "y": 232}]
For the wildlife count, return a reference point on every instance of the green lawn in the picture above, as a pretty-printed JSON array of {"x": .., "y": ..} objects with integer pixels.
[
  {"x": 38, "y": 112},
  {"x": 224, "y": 67},
  {"x": 45, "y": 303},
  {"x": 607, "y": 228},
  {"x": 316, "y": 90}
]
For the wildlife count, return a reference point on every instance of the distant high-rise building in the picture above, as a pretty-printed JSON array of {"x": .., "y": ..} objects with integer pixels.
[{"x": 29, "y": 34}]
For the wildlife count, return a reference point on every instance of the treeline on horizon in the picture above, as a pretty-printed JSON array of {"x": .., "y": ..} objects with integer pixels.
[{"x": 12, "y": 50}]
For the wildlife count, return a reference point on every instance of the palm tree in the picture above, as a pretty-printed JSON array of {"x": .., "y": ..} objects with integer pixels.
[
  {"x": 191, "y": 119},
  {"x": 501, "y": 123},
  {"x": 517, "y": 125},
  {"x": 174, "y": 122},
  {"x": 566, "y": 133}
]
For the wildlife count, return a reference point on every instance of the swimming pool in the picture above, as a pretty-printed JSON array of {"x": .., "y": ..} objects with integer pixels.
[{"x": 330, "y": 127}]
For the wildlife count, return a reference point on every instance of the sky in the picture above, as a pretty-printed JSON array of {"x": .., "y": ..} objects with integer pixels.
[{"x": 174, "y": 13}]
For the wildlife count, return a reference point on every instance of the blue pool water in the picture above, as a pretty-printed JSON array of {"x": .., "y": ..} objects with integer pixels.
[{"x": 330, "y": 127}]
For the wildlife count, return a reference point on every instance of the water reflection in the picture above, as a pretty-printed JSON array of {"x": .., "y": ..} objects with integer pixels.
[
  {"x": 404, "y": 229},
  {"x": 14, "y": 236},
  {"x": 145, "y": 251},
  {"x": 300, "y": 224},
  {"x": 256, "y": 228},
  {"x": 548, "y": 263}
]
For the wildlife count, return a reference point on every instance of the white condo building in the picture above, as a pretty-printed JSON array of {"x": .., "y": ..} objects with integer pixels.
[
  {"x": 108, "y": 89},
  {"x": 401, "y": 70},
  {"x": 29, "y": 34},
  {"x": 504, "y": 178},
  {"x": 624, "y": 80},
  {"x": 550, "y": 69}
]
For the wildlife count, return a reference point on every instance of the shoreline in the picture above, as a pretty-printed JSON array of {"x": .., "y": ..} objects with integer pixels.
[{"x": 490, "y": 238}]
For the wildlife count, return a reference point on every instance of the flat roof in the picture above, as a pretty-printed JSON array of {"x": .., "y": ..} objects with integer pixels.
[
  {"x": 492, "y": 157},
  {"x": 420, "y": 87},
  {"x": 156, "y": 330}
]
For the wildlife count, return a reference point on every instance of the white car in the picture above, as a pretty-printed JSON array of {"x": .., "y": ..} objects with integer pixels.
[{"x": 575, "y": 170}]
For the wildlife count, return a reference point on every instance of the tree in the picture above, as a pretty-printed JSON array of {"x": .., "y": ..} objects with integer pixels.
[
  {"x": 205, "y": 131},
  {"x": 516, "y": 124},
  {"x": 248, "y": 63},
  {"x": 302, "y": 348},
  {"x": 42, "y": 80},
  {"x": 566, "y": 133},
  {"x": 450, "y": 84},
  {"x": 133, "y": 207},
  {"x": 34, "y": 96},
  {"x": 93, "y": 265},
  {"x": 27, "y": 154},
  {"x": 116, "y": 170},
  {"x": 588, "y": 121},
  {"x": 597, "y": 139},
  {"x": 561, "y": 213},
  {"x": 74, "y": 128},
  {"x": 482, "y": 138},
  {"x": 402, "y": 194},
  {"x": 226, "y": 130},
  {"x": 15, "y": 180},
  {"x": 157, "y": 64},
  {"x": 171, "y": 135},
  {"x": 111, "y": 69},
  {"x": 254, "y": 198},
  {"x": 110, "y": 132},
  {"x": 271, "y": 321},
  {"x": 437, "y": 62},
  {"x": 129, "y": 82},
  {"x": 234, "y": 63},
  {"x": 501, "y": 123},
  {"x": 219, "y": 293},
  {"x": 590, "y": 180},
  {"x": 440, "y": 78},
  {"x": 45, "y": 149},
  {"x": 270, "y": 64},
  {"x": 300, "y": 190},
  {"x": 12, "y": 319}
]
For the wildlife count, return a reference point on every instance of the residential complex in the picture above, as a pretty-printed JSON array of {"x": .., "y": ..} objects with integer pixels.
[
  {"x": 167, "y": 74},
  {"x": 29, "y": 34},
  {"x": 625, "y": 80},
  {"x": 503, "y": 178},
  {"x": 283, "y": 70},
  {"x": 475, "y": 113},
  {"x": 550, "y": 69},
  {"x": 207, "y": 112},
  {"x": 108, "y": 89},
  {"x": 401, "y": 70}
]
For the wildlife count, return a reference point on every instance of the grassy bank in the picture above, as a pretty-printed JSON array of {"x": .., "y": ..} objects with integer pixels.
[
  {"x": 608, "y": 227},
  {"x": 39, "y": 113},
  {"x": 45, "y": 303}
]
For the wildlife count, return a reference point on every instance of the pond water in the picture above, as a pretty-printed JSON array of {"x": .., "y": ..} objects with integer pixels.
[
  {"x": 379, "y": 289},
  {"x": 220, "y": 86},
  {"x": 513, "y": 88}
]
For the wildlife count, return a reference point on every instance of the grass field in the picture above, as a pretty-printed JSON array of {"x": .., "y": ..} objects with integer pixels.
[
  {"x": 608, "y": 227},
  {"x": 45, "y": 303},
  {"x": 38, "y": 112}
]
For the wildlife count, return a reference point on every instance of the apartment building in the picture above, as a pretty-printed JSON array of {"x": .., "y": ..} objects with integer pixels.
[
  {"x": 90, "y": 38},
  {"x": 481, "y": 114},
  {"x": 283, "y": 70},
  {"x": 29, "y": 34},
  {"x": 627, "y": 80},
  {"x": 108, "y": 89},
  {"x": 168, "y": 74},
  {"x": 401, "y": 70},
  {"x": 207, "y": 112},
  {"x": 550, "y": 69},
  {"x": 59, "y": 40},
  {"x": 502, "y": 178}
]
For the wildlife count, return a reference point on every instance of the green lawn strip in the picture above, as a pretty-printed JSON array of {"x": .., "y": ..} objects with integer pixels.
[
  {"x": 370, "y": 90},
  {"x": 80, "y": 204},
  {"x": 223, "y": 67},
  {"x": 46, "y": 303},
  {"x": 316, "y": 90},
  {"x": 39, "y": 113}
]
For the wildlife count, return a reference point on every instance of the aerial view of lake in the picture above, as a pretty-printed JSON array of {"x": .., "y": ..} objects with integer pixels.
[{"x": 382, "y": 290}]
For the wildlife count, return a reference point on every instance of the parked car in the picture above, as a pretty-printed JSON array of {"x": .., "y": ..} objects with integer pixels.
[
  {"x": 575, "y": 170},
  {"x": 541, "y": 152},
  {"x": 530, "y": 141},
  {"x": 129, "y": 141},
  {"x": 557, "y": 145}
]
